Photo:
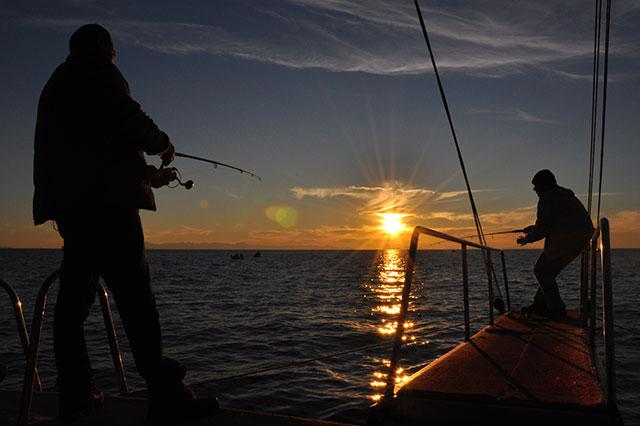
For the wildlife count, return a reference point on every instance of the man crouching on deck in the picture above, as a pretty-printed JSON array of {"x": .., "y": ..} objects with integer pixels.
[
  {"x": 91, "y": 178},
  {"x": 566, "y": 227}
]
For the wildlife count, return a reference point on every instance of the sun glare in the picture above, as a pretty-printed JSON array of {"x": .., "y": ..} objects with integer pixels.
[{"x": 392, "y": 223}]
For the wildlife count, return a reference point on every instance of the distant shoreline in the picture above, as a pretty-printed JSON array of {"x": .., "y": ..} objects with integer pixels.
[{"x": 230, "y": 249}]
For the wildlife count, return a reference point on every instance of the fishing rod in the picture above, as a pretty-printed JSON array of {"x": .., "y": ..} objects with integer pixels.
[{"x": 218, "y": 163}]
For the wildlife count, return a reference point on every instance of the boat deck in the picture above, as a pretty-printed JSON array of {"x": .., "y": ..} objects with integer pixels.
[
  {"x": 122, "y": 411},
  {"x": 522, "y": 370}
]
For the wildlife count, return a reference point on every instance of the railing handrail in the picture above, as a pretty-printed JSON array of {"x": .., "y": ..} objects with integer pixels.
[
  {"x": 36, "y": 328},
  {"x": 21, "y": 325},
  {"x": 408, "y": 277},
  {"x": 443, "y": 236}
]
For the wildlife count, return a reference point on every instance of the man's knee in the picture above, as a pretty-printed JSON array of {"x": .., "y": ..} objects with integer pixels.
[{"x": 540, "y": 269}]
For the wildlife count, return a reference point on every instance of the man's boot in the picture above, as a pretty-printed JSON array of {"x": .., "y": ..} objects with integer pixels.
[
  {"x": 171, "y": 399},
  {"x": 75, "y": 403}
]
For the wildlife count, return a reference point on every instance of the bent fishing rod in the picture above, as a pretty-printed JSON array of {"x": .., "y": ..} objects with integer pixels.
[
  {"x": 166, "y": 175},
  {"x": 218, "y": 163}
]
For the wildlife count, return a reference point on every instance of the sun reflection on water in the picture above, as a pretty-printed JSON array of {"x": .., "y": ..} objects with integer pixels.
[{"x": 386, "y": 288}]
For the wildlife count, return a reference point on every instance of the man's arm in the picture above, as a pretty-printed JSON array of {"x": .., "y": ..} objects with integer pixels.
[
  {"x": 126, "y": 124},
  {"x": 542, "y": 226}
]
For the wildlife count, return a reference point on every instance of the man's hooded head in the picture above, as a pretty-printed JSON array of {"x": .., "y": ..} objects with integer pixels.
[
  {"x": 91, "y": 41},
  {"x": 543, "y": 181}
]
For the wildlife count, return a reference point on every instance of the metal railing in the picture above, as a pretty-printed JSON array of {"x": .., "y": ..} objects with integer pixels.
[
  {"x": 601, "y": 244},
  {"x": 22, "y": 328},
  {"x": 404, "y": 306},
  {"x": 36, "y": 328}
]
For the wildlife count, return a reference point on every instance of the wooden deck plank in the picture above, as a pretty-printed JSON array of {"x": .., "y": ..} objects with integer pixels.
[
  {"x": 522, "y": 370},
  {"x": 520, "y": 359}
]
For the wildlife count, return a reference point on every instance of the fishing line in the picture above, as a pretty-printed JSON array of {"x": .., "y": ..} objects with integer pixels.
[
  {"x": 294, "y": 365},
  {"x": 515, "y": 231}
]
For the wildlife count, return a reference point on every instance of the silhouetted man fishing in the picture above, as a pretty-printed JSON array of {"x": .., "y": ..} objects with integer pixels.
[
  {"x": 91, "y": 178},
  {"x": 566, "y": 227}
]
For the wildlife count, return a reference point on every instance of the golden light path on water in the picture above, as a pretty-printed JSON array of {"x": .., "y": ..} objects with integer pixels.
[{"x": 387, "y": 292}]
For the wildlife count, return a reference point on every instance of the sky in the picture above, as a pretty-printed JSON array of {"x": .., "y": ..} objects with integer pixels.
[{"x": 335, "y": 105}]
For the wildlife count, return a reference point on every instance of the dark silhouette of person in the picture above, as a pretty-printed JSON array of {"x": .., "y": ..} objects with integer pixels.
[
  {"x": 566, "y": 227},
  {"x": 91, "y": 178}
]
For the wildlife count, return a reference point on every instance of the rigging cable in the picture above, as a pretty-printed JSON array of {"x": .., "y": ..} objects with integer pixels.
[
  {"x": 476, "y": 216},
  {"x": 604, "y": 100},
  {"x": 594, "y": 98}
]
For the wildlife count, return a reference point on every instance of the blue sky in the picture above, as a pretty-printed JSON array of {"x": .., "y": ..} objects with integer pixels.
[{"x": 335, "y": 105}]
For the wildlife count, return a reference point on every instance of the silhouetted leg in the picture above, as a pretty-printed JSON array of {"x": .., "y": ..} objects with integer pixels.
[
  {"x": 539, "y": 299},
  {"x": 75, "y": 298},
  {"x": 125, "y": 271},
  {"x": 546, "y": 270}
]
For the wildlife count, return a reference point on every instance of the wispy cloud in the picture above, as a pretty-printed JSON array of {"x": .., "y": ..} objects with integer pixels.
[
  {"x": 485, "y": 38},
  {"x": 513, "y": 114},
  {"x": 511, "y": 218},
  {"x": 626, "y": 221},
  {"x": 232, "y": 195},
  {"x": 316, "y": 237},
  {"x": 358, "y": 192},
  {"x": 390, "y": 197},
  {"x": 178, "y": 233}
]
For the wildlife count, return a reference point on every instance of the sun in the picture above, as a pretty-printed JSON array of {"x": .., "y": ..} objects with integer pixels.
[{"x": 392, "y": 223}]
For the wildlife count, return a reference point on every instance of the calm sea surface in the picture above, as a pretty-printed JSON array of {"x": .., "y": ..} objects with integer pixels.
[{"x": 224, "y": 317}]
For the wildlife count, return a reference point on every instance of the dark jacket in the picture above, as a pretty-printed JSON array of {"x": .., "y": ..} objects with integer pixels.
[
  {"x": 562, "y": 221},
  {"x": 89, "y": 142}
]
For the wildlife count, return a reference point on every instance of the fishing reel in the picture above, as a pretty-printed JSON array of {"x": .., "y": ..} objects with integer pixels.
[
  {"x": 164, "y": 176},
  {"x": 174, "y": 175}
]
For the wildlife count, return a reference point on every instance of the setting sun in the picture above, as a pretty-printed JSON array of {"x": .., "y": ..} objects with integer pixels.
[{"x": 392, "y": 223}]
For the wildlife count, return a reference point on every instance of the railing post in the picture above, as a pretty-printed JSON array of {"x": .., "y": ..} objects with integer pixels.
[
  {"x": 490, "y": 281},
  {"x": 584, "y": 285},
  {"x": 116, "y": 356},
  {"x": 592, "y": 289},
  {"x": 32, "y": 358},
  {"x": 404, "y": 307},
  {"x": 465, "y": 291},
  {"x": 32, "y": 355},
  {"x": 607, "y": 307},
  {"x": 506, "y": 281},
  {"x": 22, "y": 328}
]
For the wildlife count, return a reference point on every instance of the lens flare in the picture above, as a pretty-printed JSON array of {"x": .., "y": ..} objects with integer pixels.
[{"x": 286, "y": 217}]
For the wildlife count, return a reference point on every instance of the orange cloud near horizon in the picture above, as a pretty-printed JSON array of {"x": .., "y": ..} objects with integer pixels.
[{"x": 625, "y": 233}]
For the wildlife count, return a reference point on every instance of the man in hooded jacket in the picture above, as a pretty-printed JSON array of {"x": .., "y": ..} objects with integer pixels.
[
  {"x": 566, "y": 227},
  {"x": 91, "y": 177}
]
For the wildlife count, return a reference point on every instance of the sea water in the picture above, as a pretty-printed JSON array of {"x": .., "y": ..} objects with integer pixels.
[{"x": 222, "y": 318}]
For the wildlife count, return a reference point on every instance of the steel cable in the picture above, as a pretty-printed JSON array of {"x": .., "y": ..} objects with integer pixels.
[
  {"x": 594, "y": 98},
  {"x": 476, "y": 215},
  {"x": 605, "y": 79}
]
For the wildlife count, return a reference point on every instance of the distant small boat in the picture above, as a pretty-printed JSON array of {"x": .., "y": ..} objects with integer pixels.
[
  {"x": 237, "y": 256},
  {"x": 257, "y": 254}
]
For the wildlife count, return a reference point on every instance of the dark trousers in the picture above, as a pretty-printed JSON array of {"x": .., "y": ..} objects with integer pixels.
[
  {"x": 546, "y": 270},
  {"x": 109, "y": 244}
]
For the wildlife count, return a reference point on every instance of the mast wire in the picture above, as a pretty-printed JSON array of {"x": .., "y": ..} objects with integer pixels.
[
  {"x": 594, "y": 98},
  {"x": 604, "y": 100},
  {"x": 476, "y": 215}
]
